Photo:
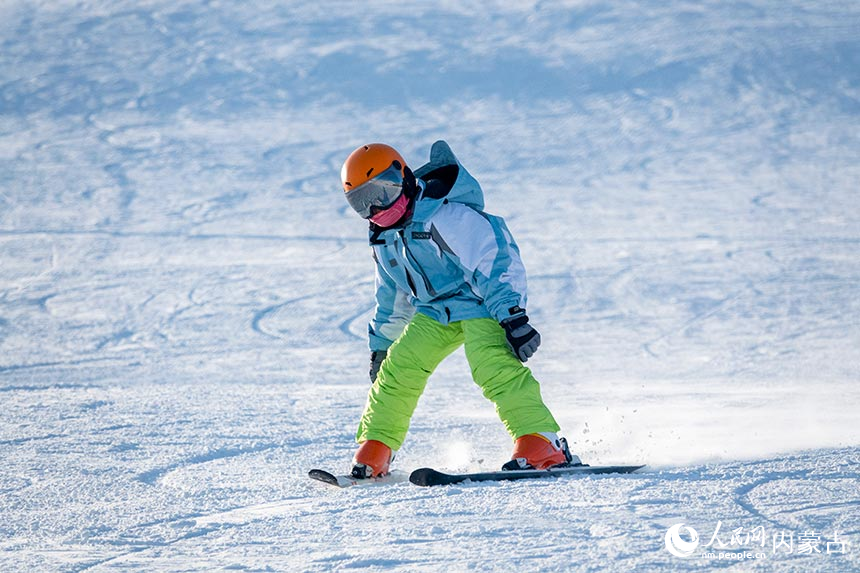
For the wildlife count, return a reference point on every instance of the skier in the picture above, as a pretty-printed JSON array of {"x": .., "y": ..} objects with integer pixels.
[{"x": 447, "y": 274}]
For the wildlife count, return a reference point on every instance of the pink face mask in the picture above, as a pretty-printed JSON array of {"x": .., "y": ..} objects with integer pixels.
[{"x": 392, "y": 214}]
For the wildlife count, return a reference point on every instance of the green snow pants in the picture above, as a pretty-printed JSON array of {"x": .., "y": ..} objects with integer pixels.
[{"x": 418, "y": 351}]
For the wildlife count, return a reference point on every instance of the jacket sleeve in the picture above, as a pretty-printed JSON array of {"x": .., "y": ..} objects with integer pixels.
[
  {"x": 482, "y": 246},
  {"x": 393, "y": 312}
]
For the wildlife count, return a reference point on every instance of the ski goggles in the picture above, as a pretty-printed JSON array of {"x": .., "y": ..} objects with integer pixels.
[{"x": 380, "y": 192}]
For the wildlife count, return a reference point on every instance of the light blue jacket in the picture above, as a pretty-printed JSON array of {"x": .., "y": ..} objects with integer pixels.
[{"x": 451, "y": 261}]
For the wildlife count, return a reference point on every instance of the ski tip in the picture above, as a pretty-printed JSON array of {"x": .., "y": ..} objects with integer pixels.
[
  {"x": 323, "y": 476},
  {"x": 425, "y": 477}
]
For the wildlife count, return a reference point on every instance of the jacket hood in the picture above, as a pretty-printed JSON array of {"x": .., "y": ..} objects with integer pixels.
[{"x": 458, "y": 184}]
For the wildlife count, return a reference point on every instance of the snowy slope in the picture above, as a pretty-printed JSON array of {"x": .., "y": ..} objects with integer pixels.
[{"x": 184, "y": 292}]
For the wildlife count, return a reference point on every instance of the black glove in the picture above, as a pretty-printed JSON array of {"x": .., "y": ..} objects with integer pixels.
[
  {"x": 376, "y": 358},
  {"x": 523, "y": 340}
]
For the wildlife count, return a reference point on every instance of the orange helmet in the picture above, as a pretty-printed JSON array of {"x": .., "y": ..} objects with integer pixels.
[
  {"x": 367, "y": 162},
  {"x": 373, "y": 178}
]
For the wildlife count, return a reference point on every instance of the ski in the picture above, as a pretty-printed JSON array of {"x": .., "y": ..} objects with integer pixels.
[
  {"x": 431, "y": 477},
  {"x": 346, "y": 480}
]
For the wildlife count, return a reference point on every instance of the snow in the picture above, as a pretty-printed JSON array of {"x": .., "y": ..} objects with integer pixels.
[{"x": 184, "y": 293}]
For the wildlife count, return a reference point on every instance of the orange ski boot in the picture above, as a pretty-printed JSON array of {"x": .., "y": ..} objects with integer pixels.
[
  {"x": 373, "y": 459},
  {"x": 539, "y": 452}
]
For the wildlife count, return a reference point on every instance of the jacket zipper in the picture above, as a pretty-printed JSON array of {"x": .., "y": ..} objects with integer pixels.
[
  {"x": 413, "y": 261},
  {"x": 409, "y": 280}
]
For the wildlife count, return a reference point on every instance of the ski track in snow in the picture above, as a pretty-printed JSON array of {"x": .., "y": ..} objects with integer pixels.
[{"x": 184, "y": 293}]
